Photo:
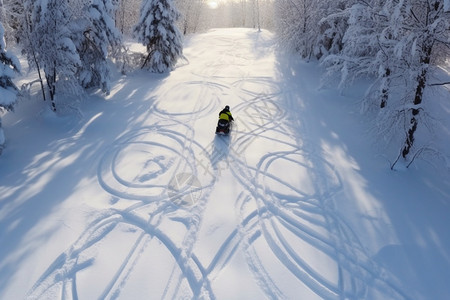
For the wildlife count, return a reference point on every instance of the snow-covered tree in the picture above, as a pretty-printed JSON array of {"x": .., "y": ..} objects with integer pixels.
[
  {"x": 51, "y": 46},
  {"x": 11, "y": 17},
  {"x": 9, "y": 66},
  {"x": 297, "y": 24},
  {"x": 266, "y": 12},
  {"x": 399, "y": 43},
  {"x": 360, "y": 44},
  {"x": 332, "y": 28},
  {"x": 428, "y": 26},
  {"x": 256, "y": 12},
  {"x": 127, "y": 15},
  {"x": 242, "y": 13},
  {"x": 96, "y": 37},
  {"x": 192, "y": 15},
  {"x": 157, "y": 30}
]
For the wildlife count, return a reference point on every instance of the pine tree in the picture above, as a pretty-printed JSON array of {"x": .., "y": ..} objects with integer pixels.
[
  {"x": 9, "y": 66},
  {"x": 156, "y": 29},
  {"x": 98, "y": 38}
]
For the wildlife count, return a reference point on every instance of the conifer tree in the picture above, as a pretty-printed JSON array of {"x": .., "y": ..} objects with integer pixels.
[
  {"x": 157, "y": 30},
  {"x": 9, "y": 66},
  {"x": 98, "y": 38}
]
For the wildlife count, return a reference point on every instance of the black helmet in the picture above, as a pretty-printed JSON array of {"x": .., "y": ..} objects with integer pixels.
[{"x": 227, "y": 107}]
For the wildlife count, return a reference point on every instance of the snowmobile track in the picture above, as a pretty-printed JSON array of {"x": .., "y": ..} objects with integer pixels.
[{"x": 293, "y": 215}]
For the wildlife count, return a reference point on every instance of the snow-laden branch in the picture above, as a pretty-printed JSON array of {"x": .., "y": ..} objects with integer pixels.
[{"x": 441, "y": 83}]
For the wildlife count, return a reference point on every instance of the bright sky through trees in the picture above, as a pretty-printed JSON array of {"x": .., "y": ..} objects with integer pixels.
[{"x": 213, "y": 4}]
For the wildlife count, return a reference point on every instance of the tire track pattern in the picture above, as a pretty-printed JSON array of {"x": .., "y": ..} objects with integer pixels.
[
  {"x": 293, "y": 216},
  {"x": 289, "y": 215},
  {"x": 133, "y": 169}
]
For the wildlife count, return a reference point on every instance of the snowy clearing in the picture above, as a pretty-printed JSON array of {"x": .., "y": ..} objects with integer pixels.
[{"x": 138, "y": 198}]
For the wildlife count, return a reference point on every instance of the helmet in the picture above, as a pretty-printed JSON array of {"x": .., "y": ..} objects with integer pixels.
[{"x": 227, "y": 107}]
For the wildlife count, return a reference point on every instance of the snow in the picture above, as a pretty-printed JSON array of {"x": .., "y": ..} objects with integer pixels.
[
  {"x": 7, "y": 97},
  {"x": 138, "y": 199}
]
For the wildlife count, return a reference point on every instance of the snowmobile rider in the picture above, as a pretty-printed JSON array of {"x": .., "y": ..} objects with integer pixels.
[{"x": 225, "y": 114}]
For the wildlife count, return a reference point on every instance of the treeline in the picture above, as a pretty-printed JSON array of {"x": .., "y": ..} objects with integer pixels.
[
  {"x": 73, "y": 44},
  {"x": 399, "y": 44}
]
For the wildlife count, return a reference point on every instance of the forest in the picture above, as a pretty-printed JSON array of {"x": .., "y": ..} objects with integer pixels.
[{"x": 401, "y": 46}]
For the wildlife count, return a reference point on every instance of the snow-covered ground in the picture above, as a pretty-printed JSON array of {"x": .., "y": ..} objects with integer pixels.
[{"x": 138, "y": 199}]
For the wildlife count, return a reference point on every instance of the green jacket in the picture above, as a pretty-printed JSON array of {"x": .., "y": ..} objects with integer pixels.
[{"x": 225, "y": 115}]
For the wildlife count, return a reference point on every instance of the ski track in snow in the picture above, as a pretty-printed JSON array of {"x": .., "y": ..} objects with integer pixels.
[{"x": 271, "y": 209}]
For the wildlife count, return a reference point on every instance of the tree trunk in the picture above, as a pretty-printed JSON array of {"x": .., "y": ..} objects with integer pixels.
[
  {"x": 385, "y": 83},
  {"x": 33, "y": 53},
  {"x": 51, "y": 83},
  {"x": 433, "y": 13},
  {"x": 418, "y": 97}
]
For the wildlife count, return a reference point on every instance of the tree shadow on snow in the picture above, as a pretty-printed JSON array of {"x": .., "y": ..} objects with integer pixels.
[{"x": 388, "y": 213}]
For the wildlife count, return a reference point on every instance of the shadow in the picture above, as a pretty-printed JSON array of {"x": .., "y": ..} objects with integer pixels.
[
  {"x": 416, "y": 265},
  {"x": 33, "y": 188},
  {"x": 220, "y": 152},
  {"x": 263, "y": 43},
  {"x": 47, "y": 160},
  {"x": 374, "y": 206}
]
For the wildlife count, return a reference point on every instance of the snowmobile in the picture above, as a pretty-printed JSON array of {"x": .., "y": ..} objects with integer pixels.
[
  {"x": 223, "y": 127},
  {"x": 225, "y": 121}
]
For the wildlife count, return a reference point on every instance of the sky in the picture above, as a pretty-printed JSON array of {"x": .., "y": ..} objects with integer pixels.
[
  {"x": 213, "y": 4},
  {"x": 134, "y": 192}
]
